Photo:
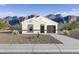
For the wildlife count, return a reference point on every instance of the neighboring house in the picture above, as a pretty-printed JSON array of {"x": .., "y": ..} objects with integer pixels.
[{"x": 39, "y": 24}]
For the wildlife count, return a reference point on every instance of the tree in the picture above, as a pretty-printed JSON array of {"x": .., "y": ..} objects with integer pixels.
[
  {"x": 73, "y": 25},
  {"x": 3, "y": 25}
]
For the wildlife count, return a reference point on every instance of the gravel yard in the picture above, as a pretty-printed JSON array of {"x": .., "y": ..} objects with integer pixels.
[
  {"x": 27, "y": 39},
  {"x": 74, "y": 34}
]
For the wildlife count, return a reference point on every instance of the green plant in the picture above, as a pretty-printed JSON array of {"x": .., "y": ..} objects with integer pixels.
[
  {"x": 66, "y": 27},
  {"x": 15, "y": 32},
  {"x": 73, "y": 25},
  {"x": 66, "y": 33},
  {"x": 3, "y": 25}
]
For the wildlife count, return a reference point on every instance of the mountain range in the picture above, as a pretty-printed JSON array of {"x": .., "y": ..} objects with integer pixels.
[{"x": 57, "y": 18}]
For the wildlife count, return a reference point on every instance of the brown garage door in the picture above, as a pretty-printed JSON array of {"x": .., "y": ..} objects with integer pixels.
[{"x": 51, "y": 29}]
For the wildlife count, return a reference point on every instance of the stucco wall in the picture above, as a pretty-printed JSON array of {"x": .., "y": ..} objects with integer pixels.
[{"x": 36, "y": 26}]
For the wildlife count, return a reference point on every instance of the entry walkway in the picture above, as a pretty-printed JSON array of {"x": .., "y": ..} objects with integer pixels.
[{"x": 70, "y": 45}]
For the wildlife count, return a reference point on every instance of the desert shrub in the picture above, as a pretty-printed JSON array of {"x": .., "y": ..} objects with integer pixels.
[
  {"x": 66, "y": 33},
  {"x": 15, "y": 32},
  {"x": 73, "y": 25},
  {"x": 66, "y": 27},
  {"x": 17, "y": 27}
]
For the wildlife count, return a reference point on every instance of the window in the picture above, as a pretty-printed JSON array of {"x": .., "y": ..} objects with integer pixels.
[{"x": 30, "y": 28}]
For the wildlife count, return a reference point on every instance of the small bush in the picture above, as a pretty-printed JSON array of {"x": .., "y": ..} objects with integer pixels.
[
  {"x": 66, "y": 33},
  {"x": 15, "y": 32}
]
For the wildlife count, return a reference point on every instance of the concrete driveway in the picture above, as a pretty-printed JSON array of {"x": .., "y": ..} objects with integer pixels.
[{"x": 70, "y": 45}]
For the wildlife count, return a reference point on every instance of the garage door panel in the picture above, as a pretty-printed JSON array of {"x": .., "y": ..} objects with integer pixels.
[{"x": 51, "y": 29}]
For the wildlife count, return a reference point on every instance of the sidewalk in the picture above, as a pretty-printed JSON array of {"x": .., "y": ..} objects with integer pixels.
[
  {"x": 28, "y": 48},
  {"x": 12, "y": 48}
]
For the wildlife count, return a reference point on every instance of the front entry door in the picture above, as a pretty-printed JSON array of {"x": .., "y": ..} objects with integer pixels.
[{"x": 42, "y": 29}]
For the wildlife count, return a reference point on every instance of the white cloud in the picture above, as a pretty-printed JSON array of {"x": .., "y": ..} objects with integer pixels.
[
  {"x": 64, "y": 13},
  {"x": 4, "y": 14},
  {"x": 71, "y": 12}
]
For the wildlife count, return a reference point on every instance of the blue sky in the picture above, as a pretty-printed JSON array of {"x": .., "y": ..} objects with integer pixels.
[{"x": 38, "y": 9}]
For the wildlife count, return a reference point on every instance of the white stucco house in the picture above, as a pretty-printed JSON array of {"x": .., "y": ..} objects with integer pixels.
[{"x": 39, "y": 24}]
